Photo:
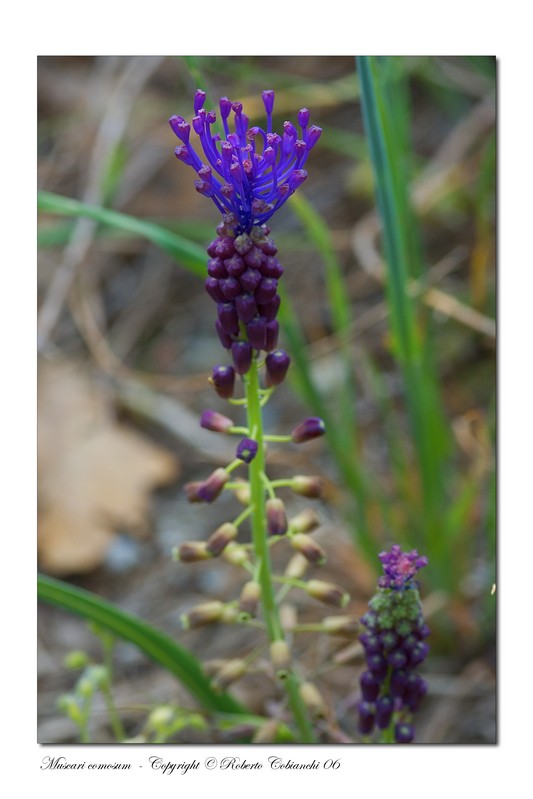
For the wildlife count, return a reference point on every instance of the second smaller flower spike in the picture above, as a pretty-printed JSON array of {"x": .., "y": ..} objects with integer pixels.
[{"x": 310, "y": 428}]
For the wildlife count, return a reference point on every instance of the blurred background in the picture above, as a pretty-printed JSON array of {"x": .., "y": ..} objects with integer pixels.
[{"x": 126, "y": 340}]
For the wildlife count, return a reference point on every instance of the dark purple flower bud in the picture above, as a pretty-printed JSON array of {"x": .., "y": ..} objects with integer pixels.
[
  {"x": 182, "y": 154},
  {"x": 250, "y": 279},
  {"x": 217, "y": 422},
  {"x": 310, "y": 428},
  {"x": 254, "y": 257},
  {"x": 418, "y": 654},
  {"x": 199, "y": 100},
  {"x": 246, "y": 307},
  {"x": 204, "y": 188},
  {"x": 223, "y": 380},
  {"x": 371, "y": 643},
  {"x": 181, "y": 128},
  {"x": 241, "y": 352},
  {"x": 212, "y": 248},
  {"x": 276, "y": 364},
  {"x": 377, "y": 665},
  {"x": 225, "y": 107},
  {"x": 230, "y": 288},
  {"x": 256, "y": 330},
  {"x": 235, "y": 265},
  {"x": 270, "y": 310},
  {"x": 246, "y": 450},
  {"x": 313, "y": 135},
  {"x": 370, "y": 686},
  {"x": 276, "y": 517},
  {"x": 366, "y": 719},
  {"x": 415, "y": 692},
  {"x": 267, "y": 247},
  {"x": 303, "y": 117},
  {"x": 397, "y": 659},
  {"x": 225, "y": 248},
  {"x": 216, "y": 268},
  {"x": 268, "y": 100},
  {"x": 225, "y": 338},
  {"x": 296, "y": 178},
  {"x": 271, "y": 267},
  {"x": 214, "y": 289},
  {"x": 266, "y": 290},
  {"x": 398, "y": 682},
  {"x": 404, "y": 733},
  {"x": 272, "y": 335},
  {"x": 227, "y": 316},
  {"x": 384, "y": 710},
  {"x": 370, "y": 620},
  {"x": 388, "y": 640}
]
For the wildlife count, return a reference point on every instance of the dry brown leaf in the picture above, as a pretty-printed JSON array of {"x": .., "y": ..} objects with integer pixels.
[{"x": 95, "y": 475}]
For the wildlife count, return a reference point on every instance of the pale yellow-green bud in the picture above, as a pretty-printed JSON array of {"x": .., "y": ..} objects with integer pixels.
[
  {"x": 297, "y": 566},
  {"x": 305, "y": 521},
  {"x": 313, "y": 701},
  {"x": 161, "y": 717},
  {"x": 328, "y": 593},
  {"x": 266, "y": 733},
  {"x": 232, "y": 670},
  {"x": 341, "y": 625},
  {"x": 191, "y": 552},
  {"x": 242, "y": 492},
  {"x": 230, "y": 615},
  {"x": 311, "y": 551},
  {"x": 205, "y": 613},
  {"x": 308, "y": 486},
  {"x": 249, "y": 598},
  {"x": 235, "y": 554},
  {"x": 280, "y": 654}
]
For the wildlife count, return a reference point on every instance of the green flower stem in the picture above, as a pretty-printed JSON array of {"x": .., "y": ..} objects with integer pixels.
[{"x": 260, "y": 540}]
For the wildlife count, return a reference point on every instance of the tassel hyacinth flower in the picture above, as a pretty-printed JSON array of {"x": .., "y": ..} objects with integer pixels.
[
  {"x": 249, "y": 173},
  {"x": 395, "y": 646}
]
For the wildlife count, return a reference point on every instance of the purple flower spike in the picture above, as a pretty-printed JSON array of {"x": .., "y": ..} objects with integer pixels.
[
  {"x": 246, "y": 450},
  {"x": 308, "y": 429},
  {"x": 252, "y": 171},
  {"x": 223, "y": 380}
]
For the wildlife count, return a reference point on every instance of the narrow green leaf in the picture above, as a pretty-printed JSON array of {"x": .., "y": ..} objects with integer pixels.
[
  {"x": 158, "y": 646},
  {"x": 184, "y": 251}
]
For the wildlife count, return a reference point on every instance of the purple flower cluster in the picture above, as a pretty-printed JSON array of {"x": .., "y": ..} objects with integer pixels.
[
  {"x": 243, "y": 275},
  {"x": 251, "y": 172},
  {"x": 394, "y": 644},
  {"x": 400, "y": 567},
  {"x": 249, "y": 175}
]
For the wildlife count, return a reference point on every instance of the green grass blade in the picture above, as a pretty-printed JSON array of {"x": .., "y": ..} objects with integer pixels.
[
  {"x": 410, "y": 349},
  {"x": 158, "y": 646},
  {"x": 184, "y": 251}
]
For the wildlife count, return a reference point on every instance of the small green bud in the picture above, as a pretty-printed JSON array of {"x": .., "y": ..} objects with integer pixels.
[{"x": 76, "y": 659}]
